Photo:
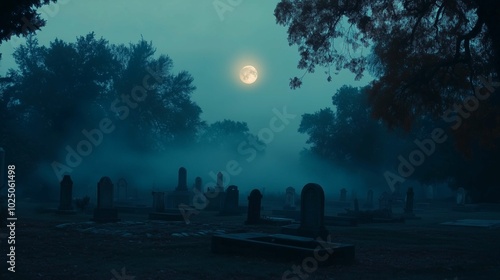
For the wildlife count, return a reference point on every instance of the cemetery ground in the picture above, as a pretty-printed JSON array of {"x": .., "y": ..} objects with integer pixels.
[{"x": 50, "y": 246}]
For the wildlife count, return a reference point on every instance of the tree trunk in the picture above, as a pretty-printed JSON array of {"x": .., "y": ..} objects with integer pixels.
[{"x": 489, "y": 10}]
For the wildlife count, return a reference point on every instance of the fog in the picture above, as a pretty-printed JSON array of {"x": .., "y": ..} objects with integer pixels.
[
  {"x": 212, "y": 48},
  {"x": 272, "y": 171}
]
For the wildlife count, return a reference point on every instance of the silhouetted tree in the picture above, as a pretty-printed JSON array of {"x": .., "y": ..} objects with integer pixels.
[
  {"x": 20, "y": 17},
  {"x": 60, "y": 89},
  {"x": 349, "y": 138},
  {"x": 427, "y": 55},
  {"x": 229, "y": 135},
  {"x": 164, "y": 114},
  {"x": 61, "y": 94},
  {"x": 347, "y": 135}
]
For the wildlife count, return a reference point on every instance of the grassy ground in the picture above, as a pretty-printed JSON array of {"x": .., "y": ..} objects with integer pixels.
[{"x": 420, "y": 249}]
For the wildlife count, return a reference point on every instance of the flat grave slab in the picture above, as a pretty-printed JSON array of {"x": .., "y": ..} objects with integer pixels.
[
  {"x": 283, "y": 246},
  {"x": 474, "y": 223}
]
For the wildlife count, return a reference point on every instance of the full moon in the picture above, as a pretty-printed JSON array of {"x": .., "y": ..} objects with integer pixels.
[{"x": 248, "y": 74}]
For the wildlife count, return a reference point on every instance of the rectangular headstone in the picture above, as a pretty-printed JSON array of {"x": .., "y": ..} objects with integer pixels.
[
  {"x": 182, "y": 180},
  {"x": 105, "y": 193},
  {"x": 158, "y": 201},
  {"x": 369, "y": 199},
  {"x": 231, "y": 201},
  {"x": 312, "y": 213},
  {"x": 289, "y": 199},
  {"x": 254, "y": 202},
  {"x": 105, "y": 212},
  {"x": 66, "y": 194},
  {"x": 343, "y": 195}
]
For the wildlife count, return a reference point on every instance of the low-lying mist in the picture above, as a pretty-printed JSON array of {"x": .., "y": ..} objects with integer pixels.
[{"x": 272, "y": 170}]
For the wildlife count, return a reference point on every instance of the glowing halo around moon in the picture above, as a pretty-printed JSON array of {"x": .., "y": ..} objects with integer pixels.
[{"x": 248, "y": 74}]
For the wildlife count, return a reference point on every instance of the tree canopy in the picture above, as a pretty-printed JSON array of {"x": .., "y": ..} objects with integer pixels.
[
  {"x": 19, "y": 17},
  {"x": 68, "y": 93},
  {"x": 349, "y": 138},
  {"x": 428, "y": 57},
  {"x": 345, "y": 135}
]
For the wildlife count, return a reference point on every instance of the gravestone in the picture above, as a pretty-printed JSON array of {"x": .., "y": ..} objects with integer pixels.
[
  {"x": 312, "y": 213},
  {"x": 122, "y": 189},
  {"x": 220, "y": 188},
  {"x": 305, "y": 241},
  {"x": 312, "y": 210},
  {"x": 343, "y": 195},
  {"x": 410, "y": 195},
  {"x": 343, "y": 202},
  {"x": 397, "y": 197},
  {"x": 468, "y": 198},
  {"x": 289, "y": 199},
  {"x": 159, "y": 211},
  {"x": 409, "y": 203},
  {"x": 289, "y": 210},
  {"x": 105, "y": 193},
  {"x": 105, "y": 211},
  {"x": 66, "y": 196},
  {"x": 216, "y": 196},
  {"x": 181, "y": 195},
  {"x": 429, "y": 193},
  {"x": 460, "y": 196},
  {"x": 254, "y": 209},
  {"x": 182, "y": 180},
  {"x": 231, "y": 201},
  {"x": 254, "y": 204},
  {"x": 369, "y": 199},
  {"x": 463, "y": 202},
  {"x": 198, "y": 184},
  {"x": 220, "y": 182},
  {"x": 356, "y": 205},
  {"x": 385, "y": 201},
  {"x": 199, "y": 200},
  {"x": 158, "y": 202}
]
